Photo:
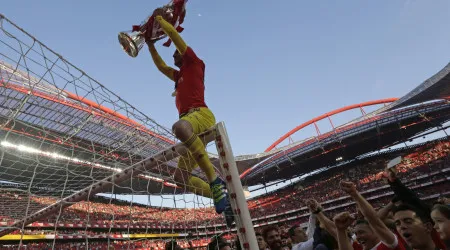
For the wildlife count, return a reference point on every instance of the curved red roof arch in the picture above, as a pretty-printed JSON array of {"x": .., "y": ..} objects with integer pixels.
[{"x": 326, "y": 115}]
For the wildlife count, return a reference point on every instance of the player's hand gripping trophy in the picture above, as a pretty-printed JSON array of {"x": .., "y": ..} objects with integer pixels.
[{"x": 133, "y": 41}]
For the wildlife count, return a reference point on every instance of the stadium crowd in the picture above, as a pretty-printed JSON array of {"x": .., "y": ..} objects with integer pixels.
[{"x": 422, "y": 176}]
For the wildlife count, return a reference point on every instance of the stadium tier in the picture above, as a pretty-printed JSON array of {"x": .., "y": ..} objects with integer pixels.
[{"x": 65, "y": 139}]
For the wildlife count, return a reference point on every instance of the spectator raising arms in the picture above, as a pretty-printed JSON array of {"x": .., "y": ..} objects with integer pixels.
[{"x": 385, "y": 238}]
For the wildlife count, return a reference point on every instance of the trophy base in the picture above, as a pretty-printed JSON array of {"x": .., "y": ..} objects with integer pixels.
[{"x": 128, "y": 44}]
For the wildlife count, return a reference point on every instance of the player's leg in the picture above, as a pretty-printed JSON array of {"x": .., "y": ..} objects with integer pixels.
[
  {"x": 183, "y": 177},
  {"x": 184, "y": 131},
  {"x": 187, "y": 130}
]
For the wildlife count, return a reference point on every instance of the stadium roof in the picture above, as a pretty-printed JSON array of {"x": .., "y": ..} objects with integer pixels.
[
  {"x": 436, "y": 87},
  {"x": 423, "y": 108},
  {"x": 385, "y": 130},
  {"x": 371, "y": 158}
]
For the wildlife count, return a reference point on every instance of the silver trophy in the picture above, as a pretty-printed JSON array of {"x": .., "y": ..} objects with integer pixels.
[{"x": 133, "y": 41}]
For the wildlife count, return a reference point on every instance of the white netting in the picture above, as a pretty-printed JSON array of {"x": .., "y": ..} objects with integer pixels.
[
  {"x": 102, "y": 222},
  {"x": 58, "y": 108},
  {"x": 64, "y": 138}
]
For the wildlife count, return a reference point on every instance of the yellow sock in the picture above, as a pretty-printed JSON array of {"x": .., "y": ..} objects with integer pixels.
[
  {"x": 199, "y": 187},
  {"x": 197, "y": 149}
]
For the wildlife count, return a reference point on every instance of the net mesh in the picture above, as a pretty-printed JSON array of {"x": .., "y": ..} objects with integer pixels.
[{"x": 64, "y": 139}]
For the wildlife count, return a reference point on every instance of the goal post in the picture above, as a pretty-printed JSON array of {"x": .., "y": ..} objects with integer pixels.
[{"x": 244, "y": 225}]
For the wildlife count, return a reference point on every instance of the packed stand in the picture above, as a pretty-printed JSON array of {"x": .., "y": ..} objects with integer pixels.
[
  {"x": 103, "y": 211},
  {"x": 430, "y": 161},
  {"x": 404, "y": 221},
  {"x": 368, "y": 175}
]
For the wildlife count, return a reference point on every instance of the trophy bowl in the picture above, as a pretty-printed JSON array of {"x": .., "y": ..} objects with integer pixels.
[{"x": 131, "y": 42}]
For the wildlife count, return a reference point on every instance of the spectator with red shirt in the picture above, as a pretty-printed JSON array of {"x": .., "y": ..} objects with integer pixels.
[
  {"x": 415, "y": 226},
  {"x": 385, "y": 237},
  {"x": 365, "y": 235},
  {"x": 412, "y": 209}
]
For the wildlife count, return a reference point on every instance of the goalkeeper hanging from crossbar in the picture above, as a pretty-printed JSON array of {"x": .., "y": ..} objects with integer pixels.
[{"x": 194, "y": 118}]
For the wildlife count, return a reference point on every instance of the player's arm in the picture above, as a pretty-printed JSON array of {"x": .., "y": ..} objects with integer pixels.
[
  {"x": 159, "y": 62},
  {"x": 380, "y": 229},
  {"x": 172, "y": 33}
]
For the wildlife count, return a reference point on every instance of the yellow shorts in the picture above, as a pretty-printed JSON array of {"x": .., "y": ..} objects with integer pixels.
[{"x": 201, "y": 119}]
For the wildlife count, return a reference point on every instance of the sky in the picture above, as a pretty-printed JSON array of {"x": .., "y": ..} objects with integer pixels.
[{"x": 270, "y": 65}]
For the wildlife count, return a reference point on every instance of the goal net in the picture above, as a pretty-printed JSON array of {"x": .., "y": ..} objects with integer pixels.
[{"x": 69, "y": 147}]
